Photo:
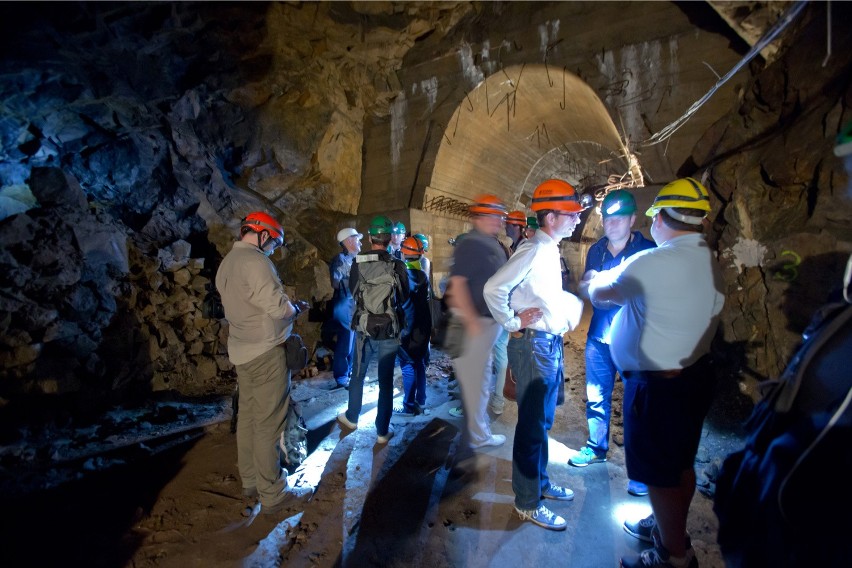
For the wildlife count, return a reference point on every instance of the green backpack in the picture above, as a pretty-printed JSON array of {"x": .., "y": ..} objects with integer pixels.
[{"x": 375, "y": 298}]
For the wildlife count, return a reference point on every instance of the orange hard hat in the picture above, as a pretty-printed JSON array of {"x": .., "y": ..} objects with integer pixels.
[
  {"x": 557, "y": 195},
  {"x": 518, "y": 218},
  {"x": 411, "y": 247},
  {"x": 260, "y": 221},
  {"x": 487, "y": 204}
]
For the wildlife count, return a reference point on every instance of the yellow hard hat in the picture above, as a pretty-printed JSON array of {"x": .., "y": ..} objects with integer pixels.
[{"x": 685, "y": 192}]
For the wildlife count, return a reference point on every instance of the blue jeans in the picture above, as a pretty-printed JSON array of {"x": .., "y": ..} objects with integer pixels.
[
  {"x": 600, "y": 380},
  {"x": 365, "y": 349},
  {"x": 413, "y": 379},
  {"x": 343, "y": 347},
  {"x": 536, "y": 361}
]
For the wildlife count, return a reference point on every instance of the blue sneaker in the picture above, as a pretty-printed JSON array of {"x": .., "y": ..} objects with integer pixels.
[
  {"x": 586, "y": 456},
  {"x": 558, "y": 493},
  {"x": 637, "y": 488}
]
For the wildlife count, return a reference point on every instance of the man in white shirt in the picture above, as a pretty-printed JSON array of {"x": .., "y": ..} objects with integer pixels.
[{"x": 526, "y": 297}]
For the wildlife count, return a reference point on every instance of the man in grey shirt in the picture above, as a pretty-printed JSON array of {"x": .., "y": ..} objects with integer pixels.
[{"x": 260, "y": 318}]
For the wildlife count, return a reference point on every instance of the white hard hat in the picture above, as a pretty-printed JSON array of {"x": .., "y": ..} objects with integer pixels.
[{"x": 344, "y": 234}]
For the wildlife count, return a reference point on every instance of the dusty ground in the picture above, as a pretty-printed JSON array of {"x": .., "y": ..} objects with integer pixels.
[{"x": 366, "y": 505}]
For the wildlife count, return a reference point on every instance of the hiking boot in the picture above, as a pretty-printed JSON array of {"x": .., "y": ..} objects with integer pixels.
[
  {"x": 637, "y": 488},
  {"x": 558, "y": 493},
  {"x": 659, "y": 557},
  {"x": 384, "y": 439},
  {"x": 401, "y": 410},
  {"x": 641, "y": 529},
  {"x": 494, "y": 440},
  {"x": 543, "y": 517},
  {"x": 345, "y": 422},
  {"x": 458, "y": 412},
  {"x": 586, "y": 456}
]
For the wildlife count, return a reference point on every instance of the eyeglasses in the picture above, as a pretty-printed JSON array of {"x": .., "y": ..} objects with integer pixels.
[{"x": 561, "y": 214}]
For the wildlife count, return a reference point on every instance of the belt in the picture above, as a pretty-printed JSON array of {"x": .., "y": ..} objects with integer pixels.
[{"x": 543, "y": 334}]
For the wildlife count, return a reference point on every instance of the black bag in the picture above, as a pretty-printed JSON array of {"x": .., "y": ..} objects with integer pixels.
[
  {"x": 449, "y": 336},
  {"x": 773, "y": 494},
  {"x": 211, "y": 307},
  {"x": 297, "y": 353},
  {"x": 293, "y": 445}
]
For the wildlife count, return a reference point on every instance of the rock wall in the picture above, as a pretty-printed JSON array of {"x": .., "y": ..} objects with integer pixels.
[
  {"x": 784, "y": 227},
  {"x": 134, "y": 136}
]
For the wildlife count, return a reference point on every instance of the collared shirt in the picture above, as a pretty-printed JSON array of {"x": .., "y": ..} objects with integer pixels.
[
  {"x": 599, "y": 258},
  {"x": 671, "y": 298},
  {"x": 339, "y": 269},
  {"x": 532, "y": 278},
  {"x": 259, "y": 313}
]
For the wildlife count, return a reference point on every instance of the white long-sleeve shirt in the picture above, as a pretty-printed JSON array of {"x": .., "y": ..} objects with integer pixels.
[{"x": 532, "y": 278}]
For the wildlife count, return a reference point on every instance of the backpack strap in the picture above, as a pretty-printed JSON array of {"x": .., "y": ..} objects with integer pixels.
[
  {"x": 807, "y": 352},
  {"x": 787, "y": 396}
]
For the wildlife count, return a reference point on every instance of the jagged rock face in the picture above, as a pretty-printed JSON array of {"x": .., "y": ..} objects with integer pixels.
[{"x": 133, "y": 137}]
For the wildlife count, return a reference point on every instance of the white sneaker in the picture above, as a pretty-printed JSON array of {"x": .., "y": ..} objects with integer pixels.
[{"x": 494, "y": 440}]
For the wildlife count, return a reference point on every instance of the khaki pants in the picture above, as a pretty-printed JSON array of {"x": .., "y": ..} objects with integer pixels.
[{"x": 264, "y": 387}]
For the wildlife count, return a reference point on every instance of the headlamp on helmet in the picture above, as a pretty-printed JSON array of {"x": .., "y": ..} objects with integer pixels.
[{"x": 618, "y": 202}]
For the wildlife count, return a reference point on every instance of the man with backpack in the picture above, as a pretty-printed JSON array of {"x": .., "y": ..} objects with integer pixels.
[
  {"x": 379, "y": 284},
  {"x": 416, "y": 333}
]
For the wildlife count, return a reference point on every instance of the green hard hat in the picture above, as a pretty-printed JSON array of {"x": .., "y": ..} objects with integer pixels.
[
  {"x": 398, "y": 228},
  {"x": 618, "y": 202},
  {"x": 532, "y": 223},
  {"x": 424, "y": 240},
  {"x": 380, "y": 225}
]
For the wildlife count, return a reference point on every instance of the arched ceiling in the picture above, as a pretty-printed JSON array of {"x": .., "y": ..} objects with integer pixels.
[{"x": 523, "y": 125}]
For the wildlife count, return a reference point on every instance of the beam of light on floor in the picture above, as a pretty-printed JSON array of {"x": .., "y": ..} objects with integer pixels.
[{"x": 267, "y": 554}]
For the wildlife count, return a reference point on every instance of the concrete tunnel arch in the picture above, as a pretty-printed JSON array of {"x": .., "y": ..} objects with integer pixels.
[{"x": 518, "y": 127}]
